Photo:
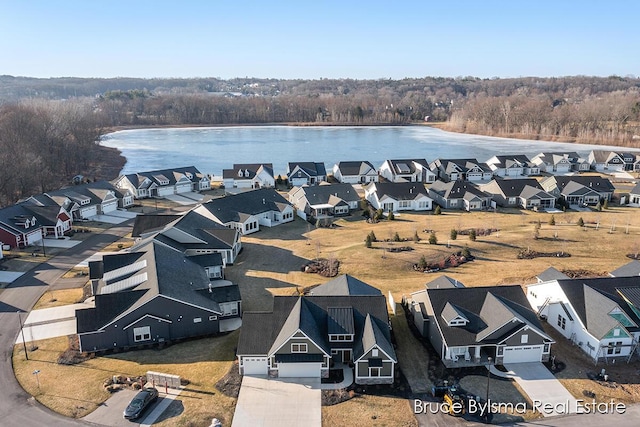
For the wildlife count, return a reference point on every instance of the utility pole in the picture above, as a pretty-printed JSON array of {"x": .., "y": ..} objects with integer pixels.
[{"x": 488, "y": 378}]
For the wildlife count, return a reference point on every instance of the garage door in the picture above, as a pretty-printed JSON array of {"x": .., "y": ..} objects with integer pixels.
[
  {"x": 34, "y": 237},
  {"x": 110, "y": 207},
  {"x": 522, "y": 354},
  {"x": 255, "y": 365},
  {"x": 183, "y": 188},
  {"x": 304, "y": 370}
]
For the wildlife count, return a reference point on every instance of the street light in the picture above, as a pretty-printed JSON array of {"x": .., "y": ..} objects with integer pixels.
[
  {"x": 24, "y": 344},
  {"x": 36, "y": 372},
  {"x": 488, "y": 376}
]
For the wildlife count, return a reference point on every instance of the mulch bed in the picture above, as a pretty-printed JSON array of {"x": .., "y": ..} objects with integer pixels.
[
  {"x": 634, "y": 256},
  {"x": 322, "y": 266},
  {"x": 229, "y": 385},
  {"x": 454, "y": 260},
  {"x": 531, "y": 254}
]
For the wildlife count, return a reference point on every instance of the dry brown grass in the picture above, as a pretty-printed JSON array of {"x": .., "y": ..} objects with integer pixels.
[
  {"x": 77, "y": 390},
  {"x": 59, "y": 297},
  {"x": 76, "y": 272},
  {"x": 370, "y": 410}
]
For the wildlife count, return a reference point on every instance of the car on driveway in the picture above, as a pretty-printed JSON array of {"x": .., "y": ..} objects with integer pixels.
[{"x": 140, "y": 403}]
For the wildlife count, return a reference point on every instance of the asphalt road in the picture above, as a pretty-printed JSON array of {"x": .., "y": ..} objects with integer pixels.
[{"x": 16, "y": 406}]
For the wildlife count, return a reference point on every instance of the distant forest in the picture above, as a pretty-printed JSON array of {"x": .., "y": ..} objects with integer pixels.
[{"x": 49, "y": 128}]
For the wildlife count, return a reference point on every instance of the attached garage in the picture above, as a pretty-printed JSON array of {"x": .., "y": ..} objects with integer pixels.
[
  {"x": 299, "y": 369},
  {"x": 255, "y": 365},
  {"x": 88, "y": 211},
  {"x": 183, "y": 187},
  {"x": 109, "y": 206},
  {"x": 165, "y": 191},
  {"x": 34, "y": 237},
  {"x": 522, "y": 354}
]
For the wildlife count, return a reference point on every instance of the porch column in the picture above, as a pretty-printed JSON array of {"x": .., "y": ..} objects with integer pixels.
[{"x": 477, "y": 354}]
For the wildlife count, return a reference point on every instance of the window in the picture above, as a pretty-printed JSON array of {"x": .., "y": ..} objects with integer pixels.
[
  {"x": 524, "y": 339},
  {"x": 618, "y": 347},
  {"x": 197, "y": 319},
  {"x": 562, "y": 322},
  {"x": 213, "y": 317},
  {"x": 546, "y": 348},
  {"x": 374, "y": 352},
  {"x": 298, "y": 348},
  {"x": 374, "y": 372},
  {"x": 142, "y": 334},
  {"x": 616, "y": 332}
]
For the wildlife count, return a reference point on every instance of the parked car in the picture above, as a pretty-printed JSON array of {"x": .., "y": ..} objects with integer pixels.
[{"x": 140, "y": 403}]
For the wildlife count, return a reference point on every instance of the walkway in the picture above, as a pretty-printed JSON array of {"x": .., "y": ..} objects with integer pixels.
[
  {"x": 347, "y": 373},
  {"x": 543, "y": 389},
  {"x": 278, "y": 402}
]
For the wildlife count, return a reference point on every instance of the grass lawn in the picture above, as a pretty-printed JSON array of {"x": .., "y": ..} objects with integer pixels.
[
  {"x": 77, "y": 390},
  {"x": 370, "y": 410},
  {"x": 59, "y": 297}
]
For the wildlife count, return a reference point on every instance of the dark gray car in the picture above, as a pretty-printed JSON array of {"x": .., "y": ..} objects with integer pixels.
[{"x": 140, "y": 403}]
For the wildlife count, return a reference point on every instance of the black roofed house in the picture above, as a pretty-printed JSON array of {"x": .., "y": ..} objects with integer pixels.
[
  {"x": 398, "y": 196},
  {"x": 87, "y": 200},
  {"x": 468, "y": 325},
  {"x": 193, "y": 233},
  {"x": 248, "y": 175},
  {"x": 247, "y": 211},
  {"x": 634, "y": 196},
  {"x": 21, "y": 226},
  {"x": 325, "y": 200},
  {"x": 164, "y": 182},
  {"x": 152, "y": 295},
  {"x": 513, "y": 165},
  {"x": 608, "y": 161},
  {"x": 361, "y": 172},
  {"x": 459, "y": 194},
  {"x": 630, "y": 269},
  {"x": 601, "y": 316},
  {"x": 407, "y": 170},
  {"x": 306, "y": 173},
  {"x": 342, "y": 321},
  {"x": 523, "y": 192},
  {"x": 561, "y": 162},
  {"x": 461, "y": 169},
  {"x": 418, "y": 299},
  {"x": 579, "y": 190}
]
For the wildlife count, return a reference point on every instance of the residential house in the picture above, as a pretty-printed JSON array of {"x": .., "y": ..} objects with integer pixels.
[
  {"x": 468, "y": 325},
  {"x": 398, "y": 196},
  {"x": 579, "y": 190},
  {"x": 306, "y": 173},
  {"x": 599, "y": 315},
  {"x": 164, "y": 182},
  {"x": 513, "y": 165},
  {"x": 461, "y": 169},
  {"x": 607, "y": 161},
  {"x": 459, "y": 195},
  {"x": 153, "y": 295},
  {"x": 561, "y": 163},
  {"x": 247, "y": 211},
  {"x": 417, "y": 299},
  {"x": 361, "y": 172},
  {"x": 84, "y": 201},
  {"x": 550, "y": 274},
  {"x": 525, "y": 193},
  {"x": 193, "y": 233},
  {"x": 22, "y": 226},
  {"x": 248, "y": 175},
  {"x": 634, "y": 196},
  {"x": 324, "y": 201},
  {"x": 407, "y": 170},
  {"x": 343, "y": 321},
  {"x": 630, "y": 269}
]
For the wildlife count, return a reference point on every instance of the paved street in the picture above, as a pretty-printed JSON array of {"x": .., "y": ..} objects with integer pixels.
[{"x": 16, "y": 406}]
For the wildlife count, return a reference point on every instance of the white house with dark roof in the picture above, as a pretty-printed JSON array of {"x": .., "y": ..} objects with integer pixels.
[
  {"x": 324, "y": 201},
  {"x": 525, "y": 193},
  {"x": 248, "y": 211},
  {"x": 407, "y": 170},
  {"x": 634, "y": 196},
  {"x": 361, "y": 172},
  {"x": 579, "y": 190},
  {"x": 561, "y": 162},
  {"x": 461, "y": 169},
  {"x": 164, "y": 182},
  {"x": 607, "y": 161},
  {"x": 466, "y": 326},
  {"x": 306, "y": 173},
  {"x": 248, "y": 175},
  {"x": 398, "y": 196},
  {"x": 599, "y": 315},
  {"x": 515, "y": 165},
  {"x": 342, "y": 321}
]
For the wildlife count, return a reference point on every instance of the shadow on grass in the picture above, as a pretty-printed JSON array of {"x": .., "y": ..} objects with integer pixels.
[{"x": 175, "y": 409}]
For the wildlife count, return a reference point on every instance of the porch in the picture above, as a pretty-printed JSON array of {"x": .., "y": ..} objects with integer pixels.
[{"x": 469, "y": 357}]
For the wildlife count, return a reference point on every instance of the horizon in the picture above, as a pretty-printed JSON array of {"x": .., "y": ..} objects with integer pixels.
[{"x": 336, "y": 41}]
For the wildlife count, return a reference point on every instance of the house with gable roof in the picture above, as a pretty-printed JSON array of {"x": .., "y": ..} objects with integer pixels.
[
  {"x": 468, "y": 325},
  {"x": 164, "y": 182},
  {"x": 325, "y": 200},
  {"x": 21, "y": 226},
  {"x": 407, "y": 170},
  {"x": 634, "y": 196},
  {"x": 306, "y": 173},
  {"x": 599, "y": 315},
  {"x": 151, "y": 295},
  {"x": 249, "y": 210},
  {"x": 249, "y": 175},
  {"x": 459, "y": 195},
  {"x": 579, "y": 190},
  {"x": 461, "y": 169},
  {"x": 361, "y": 172},
  {"x": 607, "y": 161},
  {"x": 398, "y": 196},
  {"x": 343, "y": 321},
  {"x": 513, "y": 166},
  {"x": 525, "y": 193},
  {"x": 630, "y": 269},
  {"x": 561, "y": 163}
]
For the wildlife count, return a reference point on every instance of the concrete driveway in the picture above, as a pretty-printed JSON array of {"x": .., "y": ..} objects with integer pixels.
[
  {"x": 9, "y": 276},
  {"x": 51, "y": 322},
  {"x": 265, "y": 402},
  {"x": 61, "y": 243},
  {"x": 541, "y": 386}
]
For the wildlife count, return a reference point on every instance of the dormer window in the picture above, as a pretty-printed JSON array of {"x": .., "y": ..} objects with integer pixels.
[
  {"x": 240, "y": 173},
  {"x": 340, "y": 338},
  {"x": 458, "y": 322},
  {"x": 246, "y": 173}
]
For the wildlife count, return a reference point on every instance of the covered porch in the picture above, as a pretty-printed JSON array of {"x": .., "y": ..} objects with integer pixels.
[{"x": 469, "y": 356}]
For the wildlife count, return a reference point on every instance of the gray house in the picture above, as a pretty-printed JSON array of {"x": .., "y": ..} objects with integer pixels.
[
  {"x": 154, "y": 295},
  {"x": 459, "y": 194},
  {"x": 324, "y": 201},
  {"x": 342, "y": 321},
  {"x": 525, "y": 193}
]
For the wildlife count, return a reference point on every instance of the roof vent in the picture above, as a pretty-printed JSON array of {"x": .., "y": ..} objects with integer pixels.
[{"x": 210, "y": 288}]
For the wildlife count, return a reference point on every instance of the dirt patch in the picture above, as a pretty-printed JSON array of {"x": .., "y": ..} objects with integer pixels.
[
  {"x": 579, "y": 273},
  {"x": 454, "y": 260},
  {"x": 531, "y": 254},
  {"x": 324, "y": 267}
]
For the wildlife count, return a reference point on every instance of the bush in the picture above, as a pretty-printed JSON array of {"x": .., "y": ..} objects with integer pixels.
[
  {"x": 580, "y": 222},
  {"x": 605, "y": 204},
  {"x": 367, "y": 241},
  {"x": 422, "y": 264},
  {"x": 453, "y": 235},
  {"x": 396, "y": 237},
  {"x": 438, "y": 211},
  {"x": 373, "y": 237},
  {"x": 391, "y": 216},
  {"x": 598, "y": 207},
  {"x": 379, "y": 215},
  {"x": 433, "y": 240},
  {"x": 416, "y": 238},
  {"x": 472, "y": 235},
  {"x": 552, "y": 220},
  {"x": 466, "y": 252}
]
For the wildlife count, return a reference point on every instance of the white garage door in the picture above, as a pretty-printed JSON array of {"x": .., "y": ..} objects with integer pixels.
[
  {"x": 110, "y": 206},
  {"x": 183, "y": 188},
  {"x": 89, "y": 211},
  {"x": 34, "y": 237},
  {"x": 522, "y": 354},
  {"x": 304, "y": 370},
  {"x": 255, "y": 365},
  {"x": 165, "y": 191}
]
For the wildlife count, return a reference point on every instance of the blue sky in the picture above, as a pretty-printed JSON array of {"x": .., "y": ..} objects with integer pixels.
[{"x": 311, "y": 40}]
